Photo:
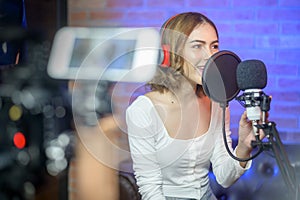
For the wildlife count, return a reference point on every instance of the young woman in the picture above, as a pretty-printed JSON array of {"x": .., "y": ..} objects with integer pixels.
[{"x": 175, "y": 130}]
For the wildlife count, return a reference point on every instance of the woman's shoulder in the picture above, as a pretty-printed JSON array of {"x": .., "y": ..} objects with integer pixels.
[
  {"x": 142, "y": 102},
  {"x": 140, "y": 111},
  {"x": 152, "y": 95},
  {"x": 145, "y": 104},
  {"x": 159, "y": 98},
  {"x": 148, "y": 98}
]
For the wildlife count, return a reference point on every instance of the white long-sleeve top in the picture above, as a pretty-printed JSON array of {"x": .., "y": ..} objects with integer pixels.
[{"x": 165, "y": 166}]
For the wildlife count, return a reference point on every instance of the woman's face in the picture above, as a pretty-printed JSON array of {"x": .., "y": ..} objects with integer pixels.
[{"x": 200, "y": 45}]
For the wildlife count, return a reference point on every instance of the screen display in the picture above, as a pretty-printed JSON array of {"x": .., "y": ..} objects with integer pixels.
[{"x": 113, "y": 53}]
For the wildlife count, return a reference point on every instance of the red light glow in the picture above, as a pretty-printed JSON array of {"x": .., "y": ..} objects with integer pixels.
[{"x": 19, "y": 140}]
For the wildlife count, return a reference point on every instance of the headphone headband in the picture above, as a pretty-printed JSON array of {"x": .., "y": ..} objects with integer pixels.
[
  {"x": 165, "y": 47},
  {"x": 164, "y": 26}
]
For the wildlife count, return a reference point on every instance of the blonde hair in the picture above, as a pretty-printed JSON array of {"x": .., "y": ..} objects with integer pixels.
[{"x": 174, "y": 33}]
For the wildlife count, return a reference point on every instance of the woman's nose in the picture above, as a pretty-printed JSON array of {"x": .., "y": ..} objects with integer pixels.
[{"x": 207, "y": 53}]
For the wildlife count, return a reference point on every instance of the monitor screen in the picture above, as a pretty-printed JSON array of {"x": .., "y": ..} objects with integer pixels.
[{"x": 118, "y": 54}]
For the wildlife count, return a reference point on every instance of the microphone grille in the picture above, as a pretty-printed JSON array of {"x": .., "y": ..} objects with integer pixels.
[{"x": 251, "y": 74}]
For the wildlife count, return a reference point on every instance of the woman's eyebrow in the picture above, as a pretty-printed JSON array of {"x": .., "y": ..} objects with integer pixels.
[
  {"x": 198, "y": 41},
  {"x": 203, "y": 42}
]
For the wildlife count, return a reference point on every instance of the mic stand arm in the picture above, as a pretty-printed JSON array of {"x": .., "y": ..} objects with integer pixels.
[{"x": 276, "y": 145}]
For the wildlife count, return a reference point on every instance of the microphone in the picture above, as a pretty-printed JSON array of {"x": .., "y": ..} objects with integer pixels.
[
  {"x": 251, "y": 78},
  {"x": 219, "y": 77}
]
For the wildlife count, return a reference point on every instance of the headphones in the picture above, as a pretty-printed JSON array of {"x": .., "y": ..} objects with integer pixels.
[
  {"x": 165, "y": 48},
  {"x": 165, "y": 55}
]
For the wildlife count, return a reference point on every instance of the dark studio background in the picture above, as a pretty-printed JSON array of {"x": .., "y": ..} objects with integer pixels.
[{"x": 29, "y": 35}]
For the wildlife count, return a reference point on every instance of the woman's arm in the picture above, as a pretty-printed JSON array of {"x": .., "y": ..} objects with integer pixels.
[
  {"x": 142, "y": 141},
  {"x": 243, "y": 149},
  {"x": 226, "y": 169}
]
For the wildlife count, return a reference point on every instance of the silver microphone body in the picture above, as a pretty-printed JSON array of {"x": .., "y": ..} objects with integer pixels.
[{"x": 252, "y": 103}]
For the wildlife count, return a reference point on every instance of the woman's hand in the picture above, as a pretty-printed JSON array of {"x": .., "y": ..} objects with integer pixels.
[{"x": 246, "y": 135}]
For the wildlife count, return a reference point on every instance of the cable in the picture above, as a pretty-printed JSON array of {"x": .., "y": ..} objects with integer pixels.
[{"x": 226, "y": 144}]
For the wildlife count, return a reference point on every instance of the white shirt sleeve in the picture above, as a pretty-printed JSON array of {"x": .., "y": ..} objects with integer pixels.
[
  {"x": 226, "y": 169},
  {"x": 142, "y": 139}
]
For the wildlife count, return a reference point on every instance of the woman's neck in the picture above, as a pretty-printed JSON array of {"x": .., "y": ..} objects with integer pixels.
[{"x": 184, "y": 94}]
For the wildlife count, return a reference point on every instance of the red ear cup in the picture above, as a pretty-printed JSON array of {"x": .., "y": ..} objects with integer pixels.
[{"x": 166, "y": 55}]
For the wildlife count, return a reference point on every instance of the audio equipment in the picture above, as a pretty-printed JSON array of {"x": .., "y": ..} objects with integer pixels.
[
  {"x": 251, "y": 78},
  {"x": 219, "y": 77},
  {"x": 165, "y": 48}
]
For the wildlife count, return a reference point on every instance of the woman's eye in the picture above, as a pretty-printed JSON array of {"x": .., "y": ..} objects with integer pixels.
[
  {"x": 216, "y": 46},
  {"x": 197, "y": 46}
]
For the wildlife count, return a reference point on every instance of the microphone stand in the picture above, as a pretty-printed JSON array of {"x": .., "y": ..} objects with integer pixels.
[
  {"x": 287, "y": 170},
  {"x": 275, "y": 144}
]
